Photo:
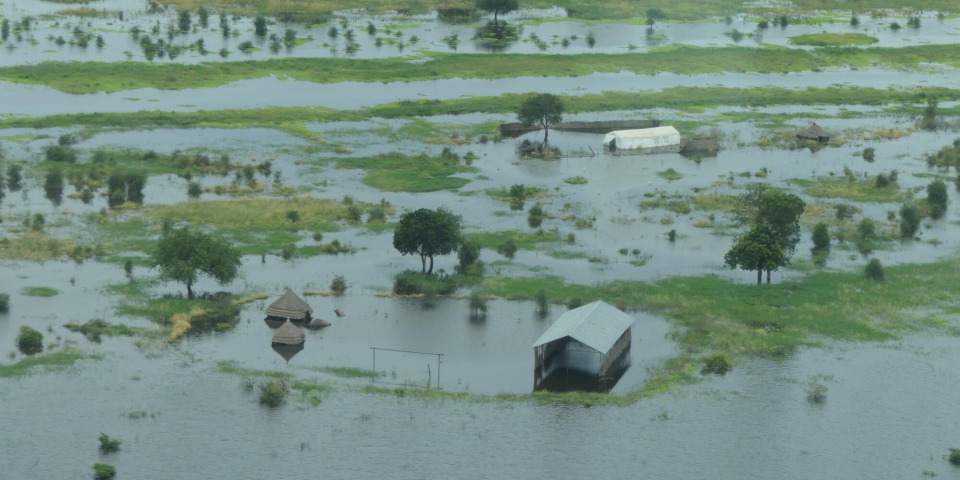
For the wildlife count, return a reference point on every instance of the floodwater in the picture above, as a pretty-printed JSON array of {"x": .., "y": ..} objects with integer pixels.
[{"x": 889, "y": 411}]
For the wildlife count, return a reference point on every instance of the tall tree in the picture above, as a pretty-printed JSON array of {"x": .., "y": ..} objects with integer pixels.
[
  {"x": 427, "y": 233},
  {"x": 183, "y": 255},
  {"x": 497, "y": 7},
  {"x": 543, "y": 109},
  {"x": 757, "y": 250},
  {"x": 776, "y": 212}
]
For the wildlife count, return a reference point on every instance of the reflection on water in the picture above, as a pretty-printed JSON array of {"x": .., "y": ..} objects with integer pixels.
[{"x": 585, "y": 370}]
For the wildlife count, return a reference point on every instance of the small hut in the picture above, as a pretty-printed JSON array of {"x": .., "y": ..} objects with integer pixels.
[
  {"x": 815, "y": 133},
  {"x": 289, "y": 307},
  {"x": 593, "y": 339},
  {"x": 288, "y": 334}
]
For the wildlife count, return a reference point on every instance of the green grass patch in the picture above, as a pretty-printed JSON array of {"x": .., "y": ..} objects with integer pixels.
[
  {"x": 849, "y": 188},
  {"x": 39, "y": 291},
  {"x": 670, "y": 174},
  {"x": 396, "y": 172},
  {"x": 49, "y": 362},
  {"x": 577, "y": 180},
  {"x": 233, "y": 368},
  {"x": 95, "y": 329},
  {"x": 833, "y": 39},
  {"x": 523, "y": 240}
]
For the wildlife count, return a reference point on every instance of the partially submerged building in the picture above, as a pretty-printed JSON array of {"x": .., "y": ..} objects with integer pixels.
[
  {"x": 289, "y": 307},
  {"x": 591, "y": 342},
  {"x": 643, "y": 140},
  {"x": 815, "y": 133},
  {"x": 288, "y": 335}
]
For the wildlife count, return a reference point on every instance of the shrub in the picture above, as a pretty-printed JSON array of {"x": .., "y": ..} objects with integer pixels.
[
  {"x": 4, "y": 302},
  {"x": 14, "y": 177},
  {"x": 416, "y": 283},
  {"x": 874, "y": 270},
  {"x": 272, "y": 393},
  {"x": 821, "y": 236},
  {"x": 60, "y": 153},
  {"x": 882, "y": 181},
  {"x": 954, "y": 456},
  {"x": 68, "y": 139},
  {"x": 377, "y": 214},
  {"x": 245, "y": 46},
  {"x": 543, "y": 305},
  {"x": 29, "y": 340},
  {"x": 508, "y": 248},
  {"x": 536, "y": 216},
  {"x": 717, "y": 363},
  {"x": 338, "y": 285},
  {"x": 102, "y": 471},
  {"x": 288, "y": 251},
  {"x": 478, "y": 305},
  {"x": 866, "y": 229},
  {"x": 869, "y": 154},
  {"x": 468, "y": 256},
  {"x": 816, "y": 392},
  {"x": 937, "y": 198},
  {"x": 260, "y": 26},
  {"x": 128, "y": 267},
  {"x": 909, "y": 220},
  {"x": 672, "y": 235},
  {"x": 108, "y": 444},
  {"x": 844, "y": 211},
  {"x": 194, "y": 190},
  {"x": 293, "y": 215}
]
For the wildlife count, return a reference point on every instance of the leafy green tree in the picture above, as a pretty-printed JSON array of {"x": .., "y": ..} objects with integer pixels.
[
  {"x": 468, "y": 258},
  {"x": 543, "y": 109},
  {"x": 535, "y": 218},
  {"x": 427, "y": 233},
  {"x": 204, "y": 15},
  {"x": 778, "y": 213},
  {"x": 757, "y": 250},
  {"x": 183, "y": 255},
  {"x": 497, "y": 7},
  {"x": 874, "y": 270},
  {"x": 5, "y": 29}
]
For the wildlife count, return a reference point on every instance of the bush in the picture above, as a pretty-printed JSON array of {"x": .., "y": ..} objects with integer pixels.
[
  {"x": 508, "y": 248},
  {"x": 468, "y": 256},
  {"x": 338, "y": 285},
  {"x": 478, "y": 305},
  {"x": 869, "y": 154},
  {"x": 194, "y": 190},
  {"x": 816, "y": 392},
  {"x": 260, "y": 26},
  {"x": 128, "y": 267},
  {"x": 574, "y": 302},
  {"x": 543, "y": 305},
  {"x": 909, "y": 220},
  {"x": 821, "y": 236},
  {"x": 293, "y": 215},
  {"x": 272, "y": 393},
  {"x": 103, "y": 471},
  {"x": 4, "y": 302},
  {"x": 866, "y": 230},
  {"x": 60, "y": 153},
  {"x": 717, "y": 363},
  {"x": 937, "y": 198},
  {"x": 954, "y": 456},
  {"x": 844, "y": 211},
  {"x": 536, "y": 216},
  {"x": 416, "y": 283},
  {"x": 874, "y": 270},
  {"x": 108, "y": 444},
  {"x": 29, "y": 340},
  {"x": 882, "y": 181}
]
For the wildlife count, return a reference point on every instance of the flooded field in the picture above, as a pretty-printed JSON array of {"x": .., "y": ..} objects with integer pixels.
[{"x": 833, "y": 375}]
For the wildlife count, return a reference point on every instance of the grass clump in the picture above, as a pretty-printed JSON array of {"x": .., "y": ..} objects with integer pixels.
[
  {"x": 851, "y": 188},
  {"x": 577, "y": 180},
  {"x": 95, "y": 329},
  {"x": 40, "y": 291},
  {"x": 670, "y": 174},
  {"x": 108, "y": 444},
  {"x": 717, "y": 363},
  {"x": 102, "y": 471},
  {"x": 396, "y": 172}
]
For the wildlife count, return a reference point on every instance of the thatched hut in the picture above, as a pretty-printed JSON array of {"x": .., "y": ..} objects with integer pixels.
[
  {"x": 288, "y": 334},
  {"x": 290, "y": 307},
  {"x": 815, "y": 133}
]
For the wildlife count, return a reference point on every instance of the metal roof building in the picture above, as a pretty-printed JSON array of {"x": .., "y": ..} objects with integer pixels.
[
  {"x": 596, "y": 327},
  {"x": 644, "y": 140}
]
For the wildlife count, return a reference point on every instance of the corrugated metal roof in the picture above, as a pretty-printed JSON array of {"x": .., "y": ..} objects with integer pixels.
[
  {"x": 597, "y": 325},
  {"x": 641, "y": 133}
]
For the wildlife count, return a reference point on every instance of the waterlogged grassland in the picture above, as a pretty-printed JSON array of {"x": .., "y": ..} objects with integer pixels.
[
  {"x": 49, "y": 362},
  {"x": 92, "y": 77},
  {"x": 713, "y": 314},
  {"x": 833, "y": 39},
  {"x": 695, "y": 99},
  {"x": 847, "y": 188},
  {"x": 523, "y": 240},
  {"x": 396, "y": 172}
]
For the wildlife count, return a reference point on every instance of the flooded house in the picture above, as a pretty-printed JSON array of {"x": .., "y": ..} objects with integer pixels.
[
  {"x": 587, "y": 348},
  {"x": 815, "y": 133},
  {"x": 643, "y": 140}
]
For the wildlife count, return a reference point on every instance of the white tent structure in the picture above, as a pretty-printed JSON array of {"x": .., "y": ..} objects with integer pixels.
[{"x": 644, "y": 140}]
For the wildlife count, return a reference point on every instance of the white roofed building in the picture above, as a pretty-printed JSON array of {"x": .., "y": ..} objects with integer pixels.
[{"x": 644, "y": 140}]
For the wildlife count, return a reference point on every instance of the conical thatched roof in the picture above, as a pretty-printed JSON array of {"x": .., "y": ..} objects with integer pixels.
[
  {"x": 289, "y": 305},
  {"x": 288, "y": 334},
  {"x": 815, "y": 132}
]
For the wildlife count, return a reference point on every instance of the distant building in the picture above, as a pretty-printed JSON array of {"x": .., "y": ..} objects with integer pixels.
[
  {"x": 644, "y": 140},
  {"x": 815, "y": 133}
]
